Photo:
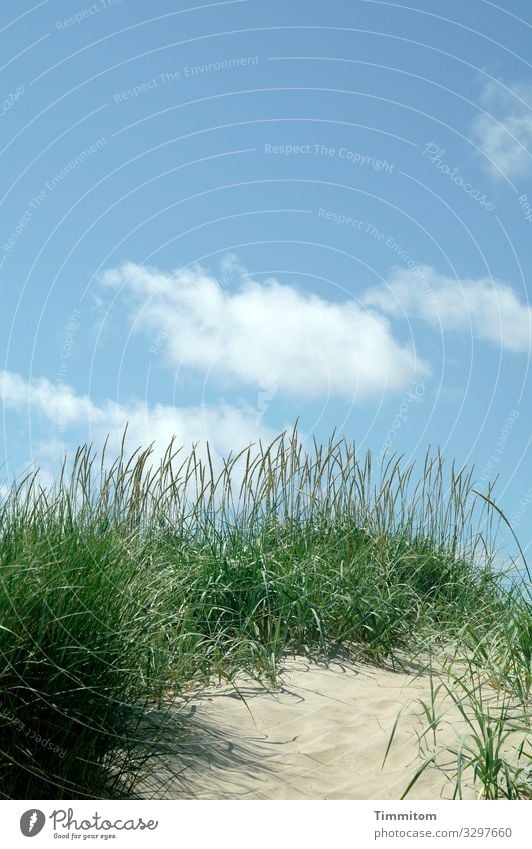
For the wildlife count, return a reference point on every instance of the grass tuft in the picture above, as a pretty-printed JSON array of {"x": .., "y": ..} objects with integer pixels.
[{"x": 129, "y": 581}]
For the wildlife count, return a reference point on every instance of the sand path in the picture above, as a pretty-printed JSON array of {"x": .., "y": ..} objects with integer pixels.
[{"x": 322, "y": 735}]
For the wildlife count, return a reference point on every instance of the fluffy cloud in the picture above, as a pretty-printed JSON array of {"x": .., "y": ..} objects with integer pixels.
[
  {"x": 505, "y": 135},
  {"x": 225, "y": 427},
  {"x": 60, "y": 405},
  {"x": 488, "y": 308},
  {"x": 266, "y": 335}
]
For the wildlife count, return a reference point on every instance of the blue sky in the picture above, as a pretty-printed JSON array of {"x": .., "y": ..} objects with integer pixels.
[{"x": 219, "y": 217}]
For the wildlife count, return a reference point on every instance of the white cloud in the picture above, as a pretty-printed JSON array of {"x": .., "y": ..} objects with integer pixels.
[
  {"x": 266, "y": 335},
  {"x": 227, "y": 428},
  {"x": 505, "y": 135},
  {"x": 488, "y": 308},
  {"x": 58, "y": 404}
]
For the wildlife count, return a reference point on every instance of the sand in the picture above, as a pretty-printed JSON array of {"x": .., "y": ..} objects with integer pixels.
[{"x": 322, "y": 735}]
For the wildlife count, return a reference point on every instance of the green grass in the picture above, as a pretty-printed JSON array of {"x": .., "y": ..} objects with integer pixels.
[
  {"x": 480, "y": 693},
  {"x": 128, "y": 581}
]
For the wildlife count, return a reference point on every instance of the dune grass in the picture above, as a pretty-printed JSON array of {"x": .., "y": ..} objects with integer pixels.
[
  {"x": 481, "y": 693},
  {"x": 131, "y": 580}
]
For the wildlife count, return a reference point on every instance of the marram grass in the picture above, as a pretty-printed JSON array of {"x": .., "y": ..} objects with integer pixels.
[{"x": 125, "y": 582}]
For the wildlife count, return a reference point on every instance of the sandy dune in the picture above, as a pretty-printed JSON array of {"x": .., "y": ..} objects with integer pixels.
[{"x": 322, "y": 735}]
